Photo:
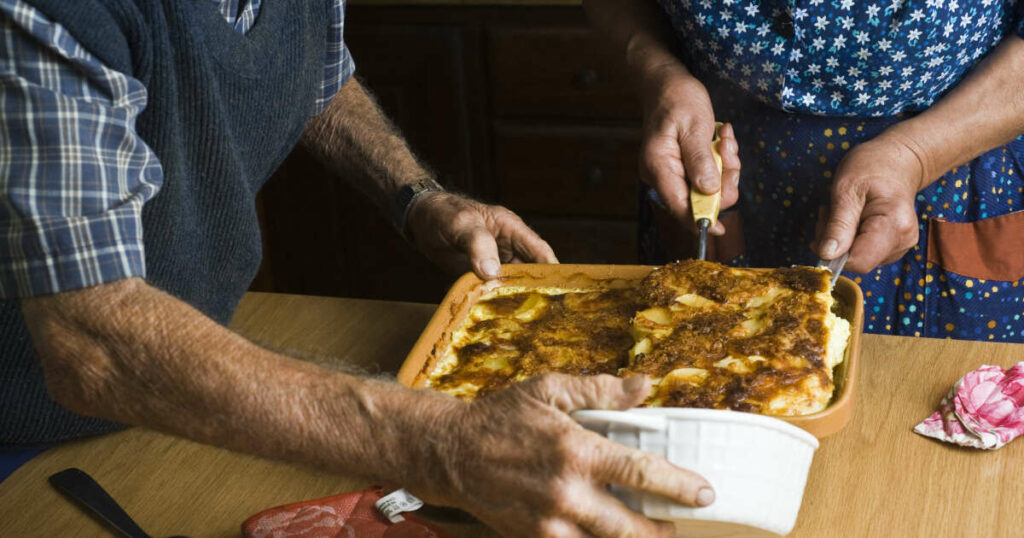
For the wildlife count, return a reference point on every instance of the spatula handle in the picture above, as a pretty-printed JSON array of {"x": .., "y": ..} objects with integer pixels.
[{"x": 706, "y": 206}]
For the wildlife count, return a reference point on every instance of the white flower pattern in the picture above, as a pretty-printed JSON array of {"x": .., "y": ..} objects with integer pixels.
[{"x": 804, "y": 48}]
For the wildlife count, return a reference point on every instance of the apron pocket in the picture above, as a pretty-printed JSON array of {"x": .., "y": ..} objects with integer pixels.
[{"x": 989, "y": 249}]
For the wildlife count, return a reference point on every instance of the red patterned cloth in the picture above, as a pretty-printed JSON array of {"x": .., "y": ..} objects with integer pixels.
[
  {"x": 985, "y": 409},
  {"x": 349, "y": 515}
]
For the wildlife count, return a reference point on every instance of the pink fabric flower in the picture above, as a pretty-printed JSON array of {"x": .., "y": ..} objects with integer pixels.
[{"x": 985, "y": 409}]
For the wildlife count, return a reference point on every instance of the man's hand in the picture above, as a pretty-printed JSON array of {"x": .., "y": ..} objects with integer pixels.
[
  {"x": 128, "y": 352},
  {"x": 872, "y": 213},
  {"x": 460, "y": 234},
  {"x": 519, "y": 463},
  {"x": 679, "y": 124}
]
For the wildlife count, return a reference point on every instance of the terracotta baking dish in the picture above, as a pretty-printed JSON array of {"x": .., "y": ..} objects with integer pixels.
[{"x": 468, "y": 289}]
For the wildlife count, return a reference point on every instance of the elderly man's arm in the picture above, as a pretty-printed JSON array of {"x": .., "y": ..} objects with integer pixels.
[
  {"x": 128, "y": 352},
  {"x": 357, "y": 142}
]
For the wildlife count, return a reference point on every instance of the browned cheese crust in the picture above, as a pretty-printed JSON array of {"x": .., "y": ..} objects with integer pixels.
[
  {"x": 709, "y": 335},
  {"x": 574, "y": 333},
  {"x": 788, "y": 332}
]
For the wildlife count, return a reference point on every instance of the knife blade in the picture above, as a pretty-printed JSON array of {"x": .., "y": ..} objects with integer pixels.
[{"x": 835, "y": 265}]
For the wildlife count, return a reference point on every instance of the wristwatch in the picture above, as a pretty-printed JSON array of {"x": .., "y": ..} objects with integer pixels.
[{"x": 406, "y": 196}]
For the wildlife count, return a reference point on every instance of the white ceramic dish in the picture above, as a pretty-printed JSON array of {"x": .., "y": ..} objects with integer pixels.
[{"x": 757, "y": 465}]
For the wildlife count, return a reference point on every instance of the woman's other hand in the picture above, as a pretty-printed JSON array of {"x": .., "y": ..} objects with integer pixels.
[
  {"x": 872, "y": 213},
  {"x": 679, "y": 124}
]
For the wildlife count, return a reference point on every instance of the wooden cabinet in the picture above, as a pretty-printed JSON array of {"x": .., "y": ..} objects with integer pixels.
[
  {"x": 520, "y": 106},
  {"x": 559, "y": 71}
]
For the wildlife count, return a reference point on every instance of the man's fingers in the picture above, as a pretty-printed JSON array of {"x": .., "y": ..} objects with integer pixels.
[
  {"x": 529, "y": 246},
  {"x": 646, "y": 472},
  {"x": 605, "y": 517},
  {"x": 695, "y": 150},
  {"x": 560, "y": 528},
  {"x": 569, "y": 393},
  {"x": 479, "y": 245}
]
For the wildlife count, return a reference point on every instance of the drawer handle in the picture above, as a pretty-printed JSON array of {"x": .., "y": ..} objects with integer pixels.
[
  {"x": 586, "y": 79},
  {"x": 595, "y": 177}
]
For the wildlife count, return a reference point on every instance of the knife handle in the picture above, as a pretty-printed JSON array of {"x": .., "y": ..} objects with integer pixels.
[
  {"x": 81, "y": 488},
  {"x": 706, "y": 206}
]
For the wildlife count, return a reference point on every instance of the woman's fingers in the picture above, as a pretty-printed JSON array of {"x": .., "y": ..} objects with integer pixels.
[
  {"x": 730, "y": 152},
  {"x": 662, "y": 169},
  {"x": 698, "y": 162}
]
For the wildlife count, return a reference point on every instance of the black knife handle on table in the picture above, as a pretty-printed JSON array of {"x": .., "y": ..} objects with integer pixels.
[{"x": 81, "y": 488}]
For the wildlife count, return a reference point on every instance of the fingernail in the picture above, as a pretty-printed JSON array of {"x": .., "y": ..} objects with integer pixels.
[
  {"x": 705, "y": 497},
  {"x": 633, "y": 384},
  {"x": 828, "y": 250},
  {"x": 709, "y": 185},
  {"x": 490, "y": 267}
]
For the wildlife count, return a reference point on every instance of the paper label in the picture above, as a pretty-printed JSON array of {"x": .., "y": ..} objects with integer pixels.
[{"x": 395, "y": 503}]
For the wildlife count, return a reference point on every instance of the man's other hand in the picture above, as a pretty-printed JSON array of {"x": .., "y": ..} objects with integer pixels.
[
  {"x": 516, "y": 460},
  {"x": 461, "y": 234}
]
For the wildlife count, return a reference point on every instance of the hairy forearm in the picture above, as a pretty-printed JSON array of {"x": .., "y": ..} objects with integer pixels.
[
  {"x": 638, "y": 29},
  {"x": 128, "y": 352},
  {"x": 354, "y": 139},
  {"x": 984, "y": 111}
]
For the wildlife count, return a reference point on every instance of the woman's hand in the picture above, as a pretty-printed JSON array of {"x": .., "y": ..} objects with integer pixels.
[
  {"x": 459, "y": 234},
  {"x": 679, "y": 124},
  {"x": 516, "y": 460},
  {"x": 872, "y": 213}
]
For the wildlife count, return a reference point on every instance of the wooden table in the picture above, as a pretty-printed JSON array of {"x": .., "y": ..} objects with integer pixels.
[{"x": 874, "y": 478}]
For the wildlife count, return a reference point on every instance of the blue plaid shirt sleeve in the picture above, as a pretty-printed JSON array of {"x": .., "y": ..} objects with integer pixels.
[
  {"x": 339, "y": 66},
  {"x": 74, "y": 174}
]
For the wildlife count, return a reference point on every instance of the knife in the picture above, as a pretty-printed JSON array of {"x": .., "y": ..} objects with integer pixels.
[
  {"x": 835, "y": 265},
  {"x": 705, "y": 206}
]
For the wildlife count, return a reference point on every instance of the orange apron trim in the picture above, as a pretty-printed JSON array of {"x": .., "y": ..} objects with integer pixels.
[{"x": 988, "y": 249}]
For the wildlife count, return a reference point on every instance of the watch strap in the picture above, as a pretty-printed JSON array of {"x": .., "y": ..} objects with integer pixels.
[{"x": 404, "y": 199}]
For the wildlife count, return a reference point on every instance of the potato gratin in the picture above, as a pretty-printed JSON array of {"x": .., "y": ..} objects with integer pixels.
[{"x": 708, "y": 335}]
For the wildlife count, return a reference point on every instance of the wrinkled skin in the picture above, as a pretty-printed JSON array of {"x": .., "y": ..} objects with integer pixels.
[
  {"x": 873, "y": 214},
  {"x": 679, "y": 124},
  {"x": 520, "y": 463},
  {"x": 460, "y": 234}
]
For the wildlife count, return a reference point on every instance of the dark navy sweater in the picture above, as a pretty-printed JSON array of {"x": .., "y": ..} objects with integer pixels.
[{"x": 224, "y": 110}]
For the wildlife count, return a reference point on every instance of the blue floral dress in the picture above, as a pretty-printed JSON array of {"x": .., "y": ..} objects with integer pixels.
[{"x": 805, "y": 81}]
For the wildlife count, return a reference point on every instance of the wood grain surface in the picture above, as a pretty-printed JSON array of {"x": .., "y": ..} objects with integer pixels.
[{"x": 874, "y": 478}]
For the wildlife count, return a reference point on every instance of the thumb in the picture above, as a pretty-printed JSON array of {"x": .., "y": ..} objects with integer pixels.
[
  {"x": 841, "y": 225},
  {"x": 699, "y": 163},
  {"x": 479, "y": 246},
  {"x": 571, "y": 393}
]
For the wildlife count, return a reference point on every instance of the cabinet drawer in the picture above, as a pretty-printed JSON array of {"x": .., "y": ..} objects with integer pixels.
[
  {"x": 589, "y": 241},
  {"x": 558, "y": 72},
  {"x": 568, "y": 171}
]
